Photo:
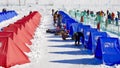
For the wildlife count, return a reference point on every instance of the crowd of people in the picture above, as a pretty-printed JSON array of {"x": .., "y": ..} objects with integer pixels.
[{"x": 99, "y": 17}]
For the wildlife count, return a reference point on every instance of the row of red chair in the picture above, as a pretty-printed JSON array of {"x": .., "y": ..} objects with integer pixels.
[{"x": 13, "y": 40}]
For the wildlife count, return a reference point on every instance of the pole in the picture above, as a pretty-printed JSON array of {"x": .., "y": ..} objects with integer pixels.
[
  {"x": 19, "y": 2},
  {"x": 24, "y": 2},
  {"x": 7, "y": 2}
]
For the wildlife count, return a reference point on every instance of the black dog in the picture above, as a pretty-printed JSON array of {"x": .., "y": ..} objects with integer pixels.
[{"x": 77, "y": 36}]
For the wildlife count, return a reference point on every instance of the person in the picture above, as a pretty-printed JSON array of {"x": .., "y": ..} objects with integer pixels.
[
  {"x": 107, "y": 12},
  {"x": 82, "y": 19},
  {"x": 98, "y": 26},
  {"x": 52, "y": 12},
  {"x": 59, "y": 21},
  {"x": 88, "y": 12},
  {"x": 118, "y": 14},
  {"x": 98, "y": 19},
  {"x": 30, "y": 12},
  {"x": 77, "y": 36},
  {"x": 112, "y": 17},
  {"x": 109, "y": 18},
  {"x": 106, "y": 23},
  {"x": 116, "y": 21},
  {"x": 64, "y": 34},
  {"x": 55, "y": 16},
  {"x": 4, "y": 10}
]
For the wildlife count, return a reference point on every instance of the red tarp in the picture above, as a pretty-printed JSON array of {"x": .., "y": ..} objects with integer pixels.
[
  {"x": 13, "y": 40},
  {"x": 17, "y": 39},
  {"x": 10, "y": 54}
]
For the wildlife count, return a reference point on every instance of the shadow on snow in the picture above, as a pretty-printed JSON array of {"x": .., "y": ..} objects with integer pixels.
[
  {"x": 85, "y": 61},
  {"x": 77, "y": 52},
  {"x": 60, "y": 40}
]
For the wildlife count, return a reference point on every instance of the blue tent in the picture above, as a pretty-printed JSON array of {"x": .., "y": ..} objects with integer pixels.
[
  {"x": 64, "y": 16},
  {"x": 108, "y": 50},
  {"x": 74, "y": 28},
  {"x": 82, "y": 27},
  {"x": 69, "y": 22},
  {"x": 94, "y": 36},
  {"x": 64, "y": 19},
  {"x": 14, "y": 13},
  {"x": 7, "y": 15},
  {"x": 86, "y": 33},
  {"x": 1, "y": 18}
]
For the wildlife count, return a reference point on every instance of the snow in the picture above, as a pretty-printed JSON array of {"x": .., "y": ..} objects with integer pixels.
[{"x": 50, "y": 51}]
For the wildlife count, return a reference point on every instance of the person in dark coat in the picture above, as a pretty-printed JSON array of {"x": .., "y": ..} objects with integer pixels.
[
  {"x": 55, "y": 17},
  {"x": 52, "y": 12},
  {"x": 59, "y": 23},
  {"x": 4, "y": 10},
  {"x": 77, "y": 37}
]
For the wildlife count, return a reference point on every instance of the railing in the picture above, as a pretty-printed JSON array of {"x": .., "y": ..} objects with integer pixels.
[{"x": 88, "y": 20}]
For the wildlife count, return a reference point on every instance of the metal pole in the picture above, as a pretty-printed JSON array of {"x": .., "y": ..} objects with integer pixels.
[
  {"x": 7, "y": 2},
  {"x": 19, "y": 2},
  {"x": 24, "y": 2}
]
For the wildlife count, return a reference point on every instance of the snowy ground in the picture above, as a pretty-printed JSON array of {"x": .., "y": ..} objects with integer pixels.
[{"x": 50, "y": 51}]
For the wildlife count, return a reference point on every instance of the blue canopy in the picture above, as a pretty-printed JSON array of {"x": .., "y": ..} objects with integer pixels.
[
  {"x": 86, "y": 33},
  {"x": 65, "y": 19},
  {"x": 108, "y": 50},
  {"x": 69, "y": 22},
  {"x": 74, "y": 28},
  {"x": 7, "y": 15},
  {"x": 64, "y": 16},
  {"x": 82, "y": 27},
  {"x": 94, "y": 36}
]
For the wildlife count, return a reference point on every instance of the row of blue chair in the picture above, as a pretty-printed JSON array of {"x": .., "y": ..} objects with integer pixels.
[
  {"x": 100, "y": 43},
  {"x": 7, "y": 15}
]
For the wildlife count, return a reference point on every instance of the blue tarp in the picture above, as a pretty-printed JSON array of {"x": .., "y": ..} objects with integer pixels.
[
  {"x": 69, "y": 22},
  {"x": 7, "y": 15},
  {"x": 64, "y": 16},
  {"x": 94, "y": 36},
  {"x": 82, "y": 27},
  {"x": 64, "y": 19},
  {"x": 87, "y": 32},
  {"x": 74, "y": 28},
  {"x": 108, "y": 50}
]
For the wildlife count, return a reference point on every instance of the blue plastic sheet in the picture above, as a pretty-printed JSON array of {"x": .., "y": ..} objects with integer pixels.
[
  {"x": 7, "y": 15},
  {"x": 86, "y": 33},
  {"x": 94, "y": 36},
  {"x": 82, "y": 27},
  {"x": 69, "y": 22},
  {"x": 108, "y": 50},
  {"x": 74, "y": 28}
]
